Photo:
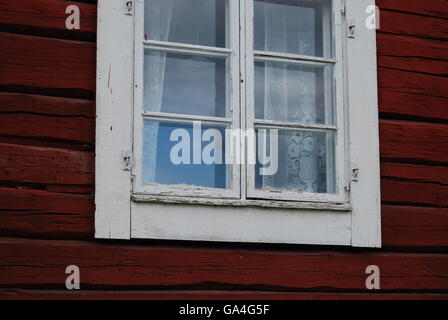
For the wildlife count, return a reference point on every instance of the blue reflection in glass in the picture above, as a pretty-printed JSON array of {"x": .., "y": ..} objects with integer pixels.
[{"x": 158, "y": 167}]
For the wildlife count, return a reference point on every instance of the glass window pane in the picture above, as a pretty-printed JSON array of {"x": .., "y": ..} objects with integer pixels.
[
  {"x": 293, "y": 26},
  {"x": 185, "y": 84},
  {"x": 171, "y": 155},
  {"x": 299, "y": 93},
  {"x": 199, "y": 22},
  {"x": 305, "y": 161}
]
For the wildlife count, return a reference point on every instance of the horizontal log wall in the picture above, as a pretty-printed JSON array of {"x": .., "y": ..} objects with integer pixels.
[{"x": 47, "y": 123}]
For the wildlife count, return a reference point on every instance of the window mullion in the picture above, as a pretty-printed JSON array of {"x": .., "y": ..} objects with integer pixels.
[
  {"x": 186, "y": 48},
  {"x": 291, "y": 57}
]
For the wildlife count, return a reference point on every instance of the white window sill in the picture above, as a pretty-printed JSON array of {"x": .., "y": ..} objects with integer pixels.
[{"x": 343, "y": 208}]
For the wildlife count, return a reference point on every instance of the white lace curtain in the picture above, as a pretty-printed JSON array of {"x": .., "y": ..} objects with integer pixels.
[
  {"x": 290, "y": 96},
  {"x": 154, "y": 69}
]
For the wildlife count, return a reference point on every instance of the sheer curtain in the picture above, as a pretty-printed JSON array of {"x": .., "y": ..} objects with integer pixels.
[
  {"x": 290, "y": 95},
  {"x": 154, "y": 69}
]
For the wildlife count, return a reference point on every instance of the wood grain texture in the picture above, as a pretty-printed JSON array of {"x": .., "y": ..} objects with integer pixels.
[
  {"x": 414, "y": 142},
  {"x": 402, "y": 105},
  {"x": 413, "y": 24},
  {"x": 44, "y": 127},
  {"x": 412, "y": 83},
  {"x": 412, "y": 227},
  {"x": 433, "y": 8},
  {"x": 45, "y": 166},
  {"x": 46, "y": 105},
  {"x": 25, "y": 263},
  {"x": 414, "y": 184},
  {"x": 17, "y": 294},
  {"x": 53, "y": 66},
  {"x": 412, "y": 54},
  {"x": 36, "y": 213},
  {"x": 47, "y": 18}
]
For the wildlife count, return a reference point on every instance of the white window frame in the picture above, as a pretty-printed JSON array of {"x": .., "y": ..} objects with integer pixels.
[
  {"x": 340, "y": 196},
  {"x": 233, "y": 101},
  {"x": 126, "y": 211}
]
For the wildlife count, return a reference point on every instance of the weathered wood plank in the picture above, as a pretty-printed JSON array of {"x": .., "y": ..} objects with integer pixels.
[
  {"x": 47, "y": 166},
  {"x": 414, "y": 184},
  {"x": 72, "y": 129},
  {"x": 56, "y": 106},
  {"x": 412, "y": 54},
  {"x": 413, "y": 106},
  {"x": 25, "y": 263},
  {"x": 425, "y": 175},
  {"x": 44, "y": 214},
  {"x": 52, "y": 67},
  {"x": 414, "y": 227},
  {"x": 47, "y": 18},
  {"x": 413, "y": 83},
  {"x": 18, "y": 294},
  {"x": 435, "y": 8},
  {"x": 407, "y": 141},
  {"x": 412, "y": 193},
  {"x": 413, "y": 24}
]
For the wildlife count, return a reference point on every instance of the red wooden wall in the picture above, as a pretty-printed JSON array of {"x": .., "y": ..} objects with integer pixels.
[{"x": 47, "y": 123}]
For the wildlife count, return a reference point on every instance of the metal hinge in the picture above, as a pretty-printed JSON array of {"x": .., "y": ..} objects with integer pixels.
[
  {"x": 347, "y": 188},
  {"x": 351, "y": 29},
  {"x": 129, "y": 8},
  {"x": 126, "y": 160},
  {"x": 355, "y": 174}
]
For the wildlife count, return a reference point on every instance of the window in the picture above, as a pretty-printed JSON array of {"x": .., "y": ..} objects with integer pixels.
[{"x": 237, "y": 120}]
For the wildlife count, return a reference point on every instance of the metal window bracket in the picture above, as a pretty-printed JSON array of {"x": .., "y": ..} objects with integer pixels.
[
  {"x": 129, "y": 8},
  {"x": 355, "y": 174},
  {"x": 351, "y": 29},
  {"x": 126, "y": 160}
]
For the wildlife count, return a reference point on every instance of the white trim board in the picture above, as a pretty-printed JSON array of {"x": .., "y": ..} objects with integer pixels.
[{"x": 356, "y": 224}]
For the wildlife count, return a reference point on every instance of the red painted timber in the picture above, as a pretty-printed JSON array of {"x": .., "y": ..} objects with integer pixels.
[
  {"x": 25, "y": 263},
  {"x": 414, "y": 227},
  {"x": 414, "y": 184},
  {"x": 17, "y": 294},
  {"x": 414, "y": 193},
  {"x": 436, "y": 8},
  {"x": 414, "y": 83},
  {"x": 415, "y": 141},
  {"x": 412, "y": 24},
  {"x": 76, "y": 129},
  {"x": 415, "y": 173},
  {"x": 412, "y": 54},
  {"x": 47, "y": 17},
  {"x": 42, "y": 165},
  {"x": 53, "y": 106},
  {"x": 24, "y": 115},
  {"x": 53, "y": 66},
  {"x": 44, "y": 214},
  {"x": 414, "y": 106}
]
